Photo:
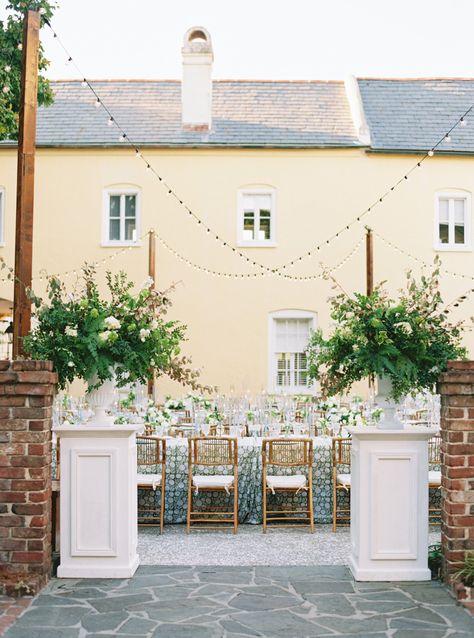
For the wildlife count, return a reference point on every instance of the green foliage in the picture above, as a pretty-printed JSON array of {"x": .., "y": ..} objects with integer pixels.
[
  {"x": 11, "y": 34},
  {"x": 88, "y": 336},
  {"x": 466, "y": 573},
  {"x": 409, "y": 340}
]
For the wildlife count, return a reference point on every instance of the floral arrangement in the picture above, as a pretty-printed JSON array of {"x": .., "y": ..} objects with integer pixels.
[
  {"x": 409, "y": 340},
  {"x": 174, "y": 404},
  {"x": 200, "y": 401},
  {"x": 155, "y": 416},
  {"x": 125, "y": 336}
]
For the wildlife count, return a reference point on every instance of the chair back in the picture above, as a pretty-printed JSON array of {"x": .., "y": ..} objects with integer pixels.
[
  {"x": 341, "y": 451},
  {"x": 287, "y": 452},
  {"x": 212, "y": 451},
  {"x": 151, "y": 450},
  {"x": 434, "y": 450}
]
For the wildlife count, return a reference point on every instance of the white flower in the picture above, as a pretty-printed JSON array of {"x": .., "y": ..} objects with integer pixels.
[
  {"x": 147, "y": 283},
  {"x": 404, "y": 326},
  {"x": 70, "y": 364},
  {"x": 112, "y": 323},
  {"x": 154, "y": 324},
  {"x": 349, "y": 315},
  {"x": 71, "y": 332},
  {"x": 355, "y": 347},
  {"x": 144, "y": 333},
  {"x": 103, "y": 336}
]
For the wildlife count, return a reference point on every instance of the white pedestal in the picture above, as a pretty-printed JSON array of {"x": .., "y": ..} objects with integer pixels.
[
  {"x": 98, "y": 501},
  {"x": 389, "y": 504}
]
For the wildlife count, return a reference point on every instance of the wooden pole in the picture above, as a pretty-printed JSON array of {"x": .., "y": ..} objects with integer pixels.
[
  {"x": 369, "y": 254},
  {"x": 25, "y": 181},
  {"x": 152, "y": 274}
]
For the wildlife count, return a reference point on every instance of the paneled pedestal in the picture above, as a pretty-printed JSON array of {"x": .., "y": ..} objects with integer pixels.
[
  {"x": 389, "y": 503},
  {"x": 98, "y": 501}
]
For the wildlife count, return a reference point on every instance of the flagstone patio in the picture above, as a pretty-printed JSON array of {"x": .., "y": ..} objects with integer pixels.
[{"x": 233, "y": 602}]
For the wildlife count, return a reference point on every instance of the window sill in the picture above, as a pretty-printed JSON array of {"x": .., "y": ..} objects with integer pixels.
[
  {"x": 119, "y": 244},
  {"x": 257, "y": 244},
  {"x": 454, "y": 248}
]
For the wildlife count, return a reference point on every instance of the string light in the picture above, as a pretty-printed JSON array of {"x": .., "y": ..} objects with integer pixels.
[
  {"x": 317, "y": 247},
  {"x": 425, "y": 264}
]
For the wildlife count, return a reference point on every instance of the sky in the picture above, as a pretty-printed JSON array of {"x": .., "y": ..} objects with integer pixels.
[{"x": 265, "y": 39}]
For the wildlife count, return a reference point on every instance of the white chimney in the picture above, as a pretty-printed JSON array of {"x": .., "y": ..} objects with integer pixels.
[{"x": 196, "y": 87}]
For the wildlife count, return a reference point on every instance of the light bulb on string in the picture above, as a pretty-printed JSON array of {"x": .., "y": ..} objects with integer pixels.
[
  {"x": 463, "y": 122},
  {"x": 431, "y": 152},
  {"x": 447, "y": 139},
  {"x": 84, "y": 82},
  {"x": 110, "y": 121},
  {"x": 97, "y": 103}
]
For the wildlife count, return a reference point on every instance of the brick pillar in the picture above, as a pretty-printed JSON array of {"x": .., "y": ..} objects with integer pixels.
[
  {"x": 457, "y": 470},
  {"x": 26, "y": 397}
]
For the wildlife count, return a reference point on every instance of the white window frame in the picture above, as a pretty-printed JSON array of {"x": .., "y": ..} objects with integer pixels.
[
  {"x": 120, "y": 190},
  {"x": 273, "y": 388},
  {"x": 2, "y": 216},
  {"x": 256, "y": 243},
  {"x": 451, "y": 246}
]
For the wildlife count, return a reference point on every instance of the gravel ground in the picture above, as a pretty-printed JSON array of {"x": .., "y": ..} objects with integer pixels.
[{"x": 248, "y": 547}]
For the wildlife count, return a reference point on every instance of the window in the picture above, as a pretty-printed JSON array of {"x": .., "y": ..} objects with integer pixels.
[
  {"x": 121, "y": 217},
  {"x": 2, "y": 216},
  {"x": 288, "y": 365},
  {"x": 452, "y": 221},
  {"x": 256, "y": 218}
]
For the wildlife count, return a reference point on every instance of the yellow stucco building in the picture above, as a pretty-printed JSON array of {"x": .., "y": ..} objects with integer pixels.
[{"x": 273, "y": 169}]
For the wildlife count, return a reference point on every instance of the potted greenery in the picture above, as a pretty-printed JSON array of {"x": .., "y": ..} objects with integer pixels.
[
  {"x": 464, "y": 579},
  {"x": 114, "y": 341},
  {"x": 404, "y": 343}
]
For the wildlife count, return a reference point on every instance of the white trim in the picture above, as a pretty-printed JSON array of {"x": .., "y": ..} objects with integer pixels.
[
  {"x": 120, "y": 190},
  {"x": 255, "y": 243},
  {"x": 2, "y": 215},
  {"x": 286, "y": 314},
  {"x": 451, "y": 246}
]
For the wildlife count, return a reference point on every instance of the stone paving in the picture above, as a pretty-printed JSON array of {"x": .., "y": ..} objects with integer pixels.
[{"x": 238, "y": 602}]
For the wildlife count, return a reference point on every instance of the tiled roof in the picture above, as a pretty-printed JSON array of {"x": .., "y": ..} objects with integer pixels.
[
  {"x": 414, "y": 114},
  {"x": 244, "y": 113}
]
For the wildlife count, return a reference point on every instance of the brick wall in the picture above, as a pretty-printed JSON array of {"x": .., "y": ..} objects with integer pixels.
[
  {"x": 457, "y": 471},
  {"x": 26, "y": 396}
]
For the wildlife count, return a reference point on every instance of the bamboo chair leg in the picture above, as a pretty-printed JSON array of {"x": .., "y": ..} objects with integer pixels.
[
  {"x": 334, "y": 505},
  {"x": 264, "y": 510},
  {"x": 310, "y": 507},
  {"x": 236, "y": 508},
  {"x": 190, "y": 507},
  {"x": 162, "y": 511}
]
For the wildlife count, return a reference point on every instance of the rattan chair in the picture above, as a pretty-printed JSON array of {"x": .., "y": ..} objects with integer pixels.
[
  {"x": 341, "y": 460},
  {"x": 212, "y": 452},
  {"x": 434, "y": 476},
  {"x": 151, "y": 452},
  {"x": 55, "y": 499},
  {"x": 288, "y": 453}
]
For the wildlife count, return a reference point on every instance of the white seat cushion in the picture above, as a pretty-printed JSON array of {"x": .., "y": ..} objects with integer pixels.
[
  {"x": 434, "y": 477},
  {"x": 145, "y": 480},
  {"x": 297, "y": 482},
  {"x": 344, "y": 479},
  {"x": 222, "y": 481}
]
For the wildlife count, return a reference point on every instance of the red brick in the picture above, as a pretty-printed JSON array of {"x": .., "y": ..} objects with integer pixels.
[
  {"x": 29, "y": 389},
  {"x": 465, "y": 401},
  {"x": 28, "y": 365},
  {"x": 458, "y": 449},
  {"x": 12, "y": 472},
  {"x": 39, "y": 521},
  {"x": 40, "y": 472},
  {"x": 10, "y": 520},
  {"x": 7, "y": 377},
  {"x": 38, "y": 497},
  {"x": 449, "y": 508},
  {"x": 36, "y": 449},
  {"x": 13, "y": 544},
  {"x": 31, "y": 413},
  {"x": 31, "y": 437},
  {"x": 37, "y": 377},
  {"x": 13, "y": 424},
  {"x": 452, "y": 365},
  {"x": 40, "y": 402},
  {"x": 14, "y": 448},
  {"x": 36, "y": 461},
  {"x": 27, "y": 557},
  {"x": 460, "y": 472},
  {"x": 4, "y": 364},
  {"x": 37, "y": 425},
  {"x": 28, "y": 532},
  {"x": 12, "y": 497},
  {"x": 35, "y": 546},
  {"x": 12, "y": 401},
  {"x": 35, "y": 486},
  {"x": 30, "y": 509}
]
